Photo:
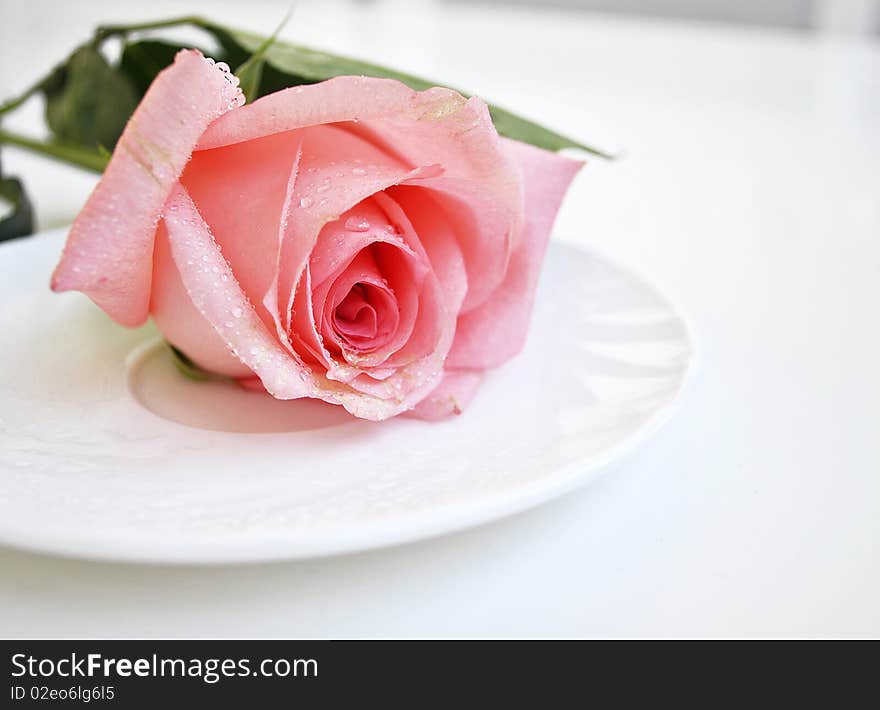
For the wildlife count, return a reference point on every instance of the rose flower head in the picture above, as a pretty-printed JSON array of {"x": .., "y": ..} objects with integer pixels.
[{"x": 354, "y": 240}]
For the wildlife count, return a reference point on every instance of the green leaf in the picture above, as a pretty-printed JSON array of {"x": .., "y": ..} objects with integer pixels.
[
  {"x": 250, "y": 73},
  {"x": 16, "y": 211},
  {"x": 87, "y": 101},
  {"x": 141, "y": 61}
]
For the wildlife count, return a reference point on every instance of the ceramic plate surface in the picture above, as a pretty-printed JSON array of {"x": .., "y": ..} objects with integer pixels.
[{"x": 107, "y": 452}]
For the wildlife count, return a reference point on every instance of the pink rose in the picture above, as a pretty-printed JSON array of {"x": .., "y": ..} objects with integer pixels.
[{"x": 353, "y": 240}]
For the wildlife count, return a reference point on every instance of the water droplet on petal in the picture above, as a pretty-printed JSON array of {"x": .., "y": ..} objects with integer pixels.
[
  {"x": 237, "y": 312},
  {"x": 357, "y": 224},
  {"x": 305, "y": 202},
  {"x": 358, "y": 171}
]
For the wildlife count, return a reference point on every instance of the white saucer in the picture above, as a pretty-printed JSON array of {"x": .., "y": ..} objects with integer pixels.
[{"x": 107, "y": 452}]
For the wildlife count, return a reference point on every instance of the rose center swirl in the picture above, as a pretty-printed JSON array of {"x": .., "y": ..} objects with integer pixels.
[{"x": 367, "y": 317}]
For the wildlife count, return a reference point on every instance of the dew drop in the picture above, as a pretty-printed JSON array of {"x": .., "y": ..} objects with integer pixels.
[
  {"x": 358, "y": 171},
  {"x": 356, "y": 224},
  {"x": 237, "y": 312},
  {"x": 305, "y": 202}
]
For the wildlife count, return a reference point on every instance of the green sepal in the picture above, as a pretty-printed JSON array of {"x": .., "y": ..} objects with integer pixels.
[
  {"x": 189, "y": 369},
  {"x": 88, "y": 102}
]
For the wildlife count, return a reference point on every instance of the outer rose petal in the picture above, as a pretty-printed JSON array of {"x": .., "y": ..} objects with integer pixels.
[
  {"x": 109, "y": 253},
  {"x": 451, "y": 396},
  {"x": 415, "y": 126},
  {"x": 241, "y": 191},
  {"x": 181, "y": 323},
  {"x": 216, "y": 294},
  {"x": 496, "y": 331}
]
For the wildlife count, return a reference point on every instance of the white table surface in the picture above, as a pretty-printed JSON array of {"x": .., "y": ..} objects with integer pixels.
[{"x": 751, "y": 193}]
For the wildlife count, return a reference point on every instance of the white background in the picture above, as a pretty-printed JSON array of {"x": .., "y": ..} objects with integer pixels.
[{"x": 750, "y": 191}]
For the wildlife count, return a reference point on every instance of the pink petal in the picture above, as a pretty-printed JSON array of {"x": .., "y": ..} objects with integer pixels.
[
  {"x": 338, "y": 244},
  {"x": 486, "y": 229},
  {"x": 225, "y": 306},
  {"x": 418, "y": 128},
  {"x": 451, "y": 396},
  {"x": 216, "y": 294},
  {"x": 426, "y": 228},
  {"x": 240, "y": 191},
  {"x": 496, "y": 331},
  {"x": 415, "y": 128},
  {"x": 180, "y": 323},
  {"x": 355, "y": 229},
  {"x": 356, "y": 317},
  {"x": 441, "y": 298},
  {"x": 362, "y": 270},
  {"x": 310, "y": 208},
  {"x": 418, "y": 363},
  {"x": 109, "y": 251}
]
